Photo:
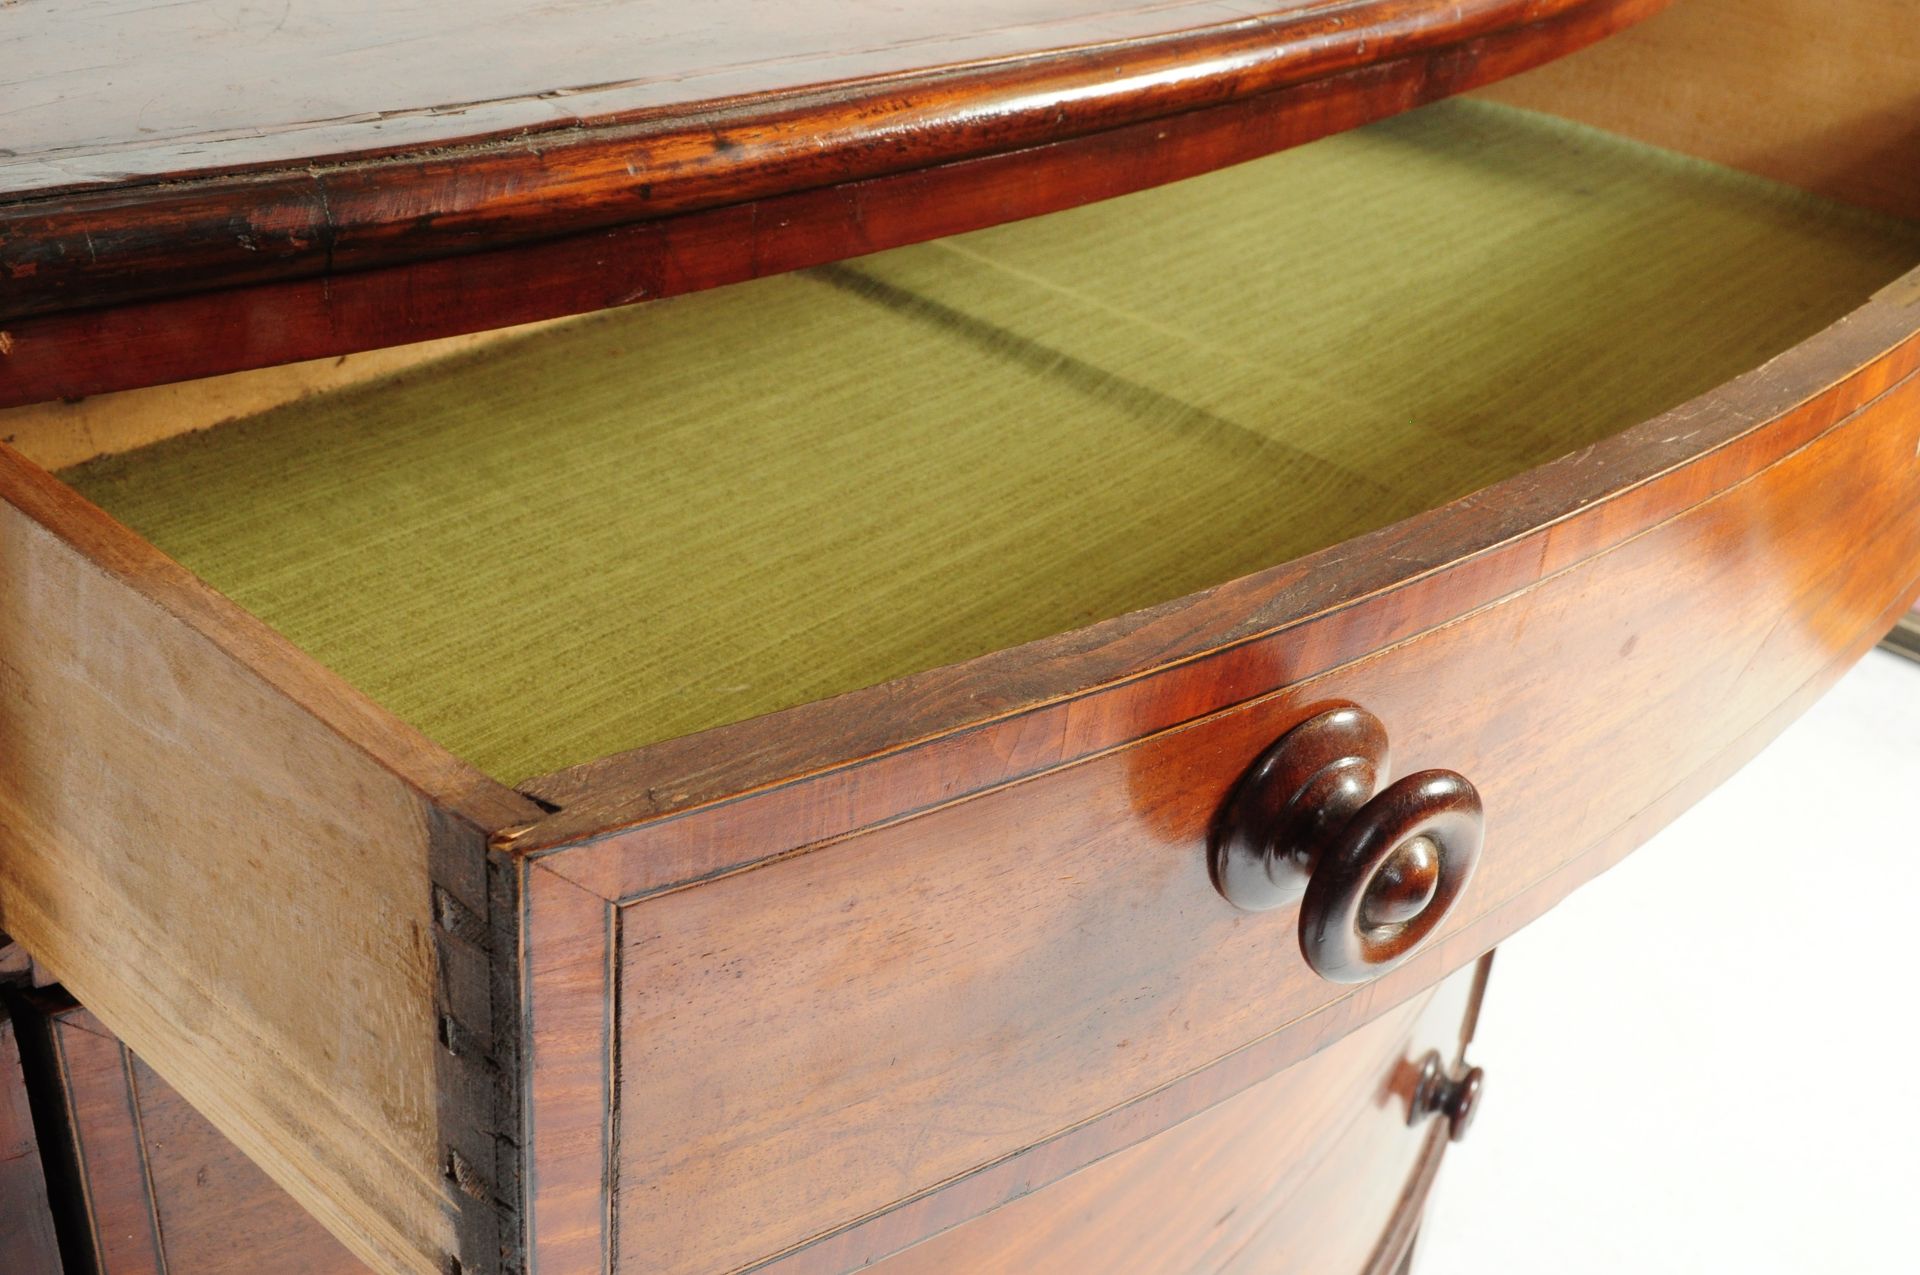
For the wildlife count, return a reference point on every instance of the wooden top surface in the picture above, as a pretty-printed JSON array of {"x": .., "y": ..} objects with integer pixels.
[
  {"x": 126, "y": 89},
  {"x": 154, "y": 148}
]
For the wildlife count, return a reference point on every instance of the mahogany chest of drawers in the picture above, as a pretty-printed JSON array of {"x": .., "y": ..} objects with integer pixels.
[{"x": 996, "y": 740}]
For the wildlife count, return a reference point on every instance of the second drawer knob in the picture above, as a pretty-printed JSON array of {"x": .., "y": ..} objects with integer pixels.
[
  {"x": 1438, "y": 1092},
  {"x": 1375, "y": 873}
]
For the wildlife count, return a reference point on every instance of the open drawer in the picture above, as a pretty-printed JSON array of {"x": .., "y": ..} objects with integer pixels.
[{"x": 732, "y": 782}]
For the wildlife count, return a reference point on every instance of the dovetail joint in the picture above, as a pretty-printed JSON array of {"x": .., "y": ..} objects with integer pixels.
[
  {"x": 459, "y": 920},
  {"x": 458, "y": 1040},
  {"x": 461, "y": 1173}
]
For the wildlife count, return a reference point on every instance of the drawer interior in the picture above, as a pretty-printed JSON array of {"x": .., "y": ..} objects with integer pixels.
[{"x": 648, "y": 522}]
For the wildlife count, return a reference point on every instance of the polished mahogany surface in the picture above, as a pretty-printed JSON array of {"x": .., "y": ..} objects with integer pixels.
[
  {"x": 108, "y": 97},
  {"x": 368, "y": 136},
  {"x": 1316, "y": 1170},
  {"x": 1019, "y": 906}
]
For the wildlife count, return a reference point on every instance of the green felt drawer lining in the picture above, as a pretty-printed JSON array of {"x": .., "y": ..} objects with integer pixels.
[{"x": 668, "y": 517}]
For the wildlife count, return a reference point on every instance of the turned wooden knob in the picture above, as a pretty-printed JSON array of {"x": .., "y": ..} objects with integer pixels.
[
  {"x": 1375, "y": 872},
  {"x": 1456, "y": 1099},
  {"x": 1404, "y": 886}
]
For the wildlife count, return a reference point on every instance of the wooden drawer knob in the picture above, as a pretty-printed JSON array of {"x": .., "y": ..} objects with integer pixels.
[
  {"x": 1454, "y": 1098},
  {"x": 1374, "y": 872}
]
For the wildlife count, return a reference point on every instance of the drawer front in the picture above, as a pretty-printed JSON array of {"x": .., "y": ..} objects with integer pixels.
[
  {"x": 1304, "y": 1172},
  {"x": 830, "y": 1017},
  {"x": 161, "y": 1189}
]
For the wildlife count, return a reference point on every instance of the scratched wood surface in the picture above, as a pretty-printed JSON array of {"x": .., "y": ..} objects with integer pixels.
[
  {"x": 431, "y": 149},
  {"x": 104, "y": 98},
  {"x": 73, "y": 353}
]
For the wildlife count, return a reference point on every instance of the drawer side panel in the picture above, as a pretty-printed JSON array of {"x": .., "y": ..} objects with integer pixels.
[{"x": 233, "y": 860}]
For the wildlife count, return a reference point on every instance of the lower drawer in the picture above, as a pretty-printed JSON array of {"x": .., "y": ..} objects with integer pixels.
[
  {"x": 161, "y": 1192},
  {"x": 1320, "y": 1169}
]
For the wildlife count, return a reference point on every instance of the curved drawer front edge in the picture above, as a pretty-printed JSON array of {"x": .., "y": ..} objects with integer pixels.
[
  {"x": 1803, "y": 533},
  {"x": 335, "y": 213},
  {"x": 118, "y": 343},
  {"x": 956, "y": 732}
]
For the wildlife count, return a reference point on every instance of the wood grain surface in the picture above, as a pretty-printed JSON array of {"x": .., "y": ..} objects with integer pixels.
[
  {"x": 162, "y": 1190},
  {"x": 28, "y": 1244},
  {"x": 1011, "y": 1178},
  {"x": 103, "y": 1125},
  {"x": 1300, "y": 1173},
  {"x": 231, "y": 856},
  {"x": 271, "y": 303},
  {"x": 696, "y": 108},
  {"x": 106, "y": 102},
  {"x": 67, "y": 431},
  {"x": 1029, "y": 944},
  {"x": 1824, "y": 96}
]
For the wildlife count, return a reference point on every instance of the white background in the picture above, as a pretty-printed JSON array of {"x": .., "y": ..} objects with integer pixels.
[{"x": 1706, "y": 1059}]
